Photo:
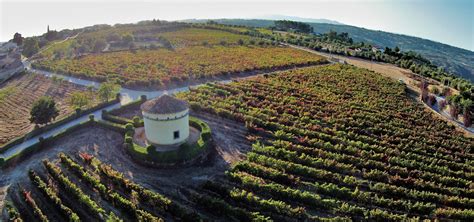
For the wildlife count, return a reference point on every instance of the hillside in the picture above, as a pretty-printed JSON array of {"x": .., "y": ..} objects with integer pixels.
[
  {"x": 300, "y": 19},
  {"x": 261, "y": 127},
  {"x": 165, "y": 54},
  {"x": 456, "y": 60}
]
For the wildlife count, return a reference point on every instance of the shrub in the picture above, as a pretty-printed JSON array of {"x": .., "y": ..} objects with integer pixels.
[
  {"x": 467, "y": 119},
  {"x": 128, "y": 140},
  {"x": 136, "y": 121},
  {"x": 129, "y": 127},
  {"x": 453, "y": 111},
  {"x": 431, "y": 100},
  {"x": 442, "y": 104},
  {"x": 435, "y": 90},
  {"x": 91, "y": 117},
  {"x": 446, "y": 91}
]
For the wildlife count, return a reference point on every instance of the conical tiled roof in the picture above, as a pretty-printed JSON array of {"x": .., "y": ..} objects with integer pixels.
[{"x": 163, "y": 105}]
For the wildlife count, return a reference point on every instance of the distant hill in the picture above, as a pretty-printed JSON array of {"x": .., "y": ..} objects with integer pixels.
[
  {"x": 300, "y": 19},
  {"x": 456, "y": 60}
]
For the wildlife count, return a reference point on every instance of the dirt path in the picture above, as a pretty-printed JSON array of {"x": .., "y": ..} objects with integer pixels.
[
  {"x": 105, "y": 144},
  {"x": 59, "y": 42},
  {"x": 3, "y": 196},
  {"x": 396, "y": 73},
  {"x": 24, "y": 90},
  {"x": 386, "y": 69}
]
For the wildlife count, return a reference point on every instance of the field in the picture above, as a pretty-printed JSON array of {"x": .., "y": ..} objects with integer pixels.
[
  {"x": 180, "y": 53},
  {"x": 329, "y": 142},
  {"x": 197, "y": 36},
  {"x": 340, "y": 141},
  {"x": 17, "y": 96},
  {"x": 179, "y": 35},
  {"x": 69, "y": 47},
  {"x": 301, "y": 142},
  {"x": 162, "y": 66},
  {"x": 73, "y": 187}
]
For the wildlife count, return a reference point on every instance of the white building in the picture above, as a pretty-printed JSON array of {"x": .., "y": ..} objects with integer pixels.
[{"x": 166, "y": 120}]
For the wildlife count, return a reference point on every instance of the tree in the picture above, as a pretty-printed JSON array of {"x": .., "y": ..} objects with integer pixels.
[
  {"x": 165, "y": 42},
  {"x": 30, "y": 47},
  {"x": 113, "y": 37},
  {"x": 127, "y": 38},
  {"x": 99, "y": 45},
  {"x": 51, "y": 35},
  {"x": 467, "y": 119},
  {"x": 467, "y": 105},
  {"x": 43, "y": 111},
  {"x": 108, "y": 90},
  {"x": 79, "y": 100},
  {"x": 397, "y": 50},
  {"x": 286, "y": 25},
  {"x": 424, "y": 90},
  {"x": 17, "y": 39}
]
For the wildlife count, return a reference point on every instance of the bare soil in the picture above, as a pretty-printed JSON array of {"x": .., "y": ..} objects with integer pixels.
[
  {"x": 107, "y": 145},
  {"x": 25, "y": 90},
  {"x": 129, "y": 112}
]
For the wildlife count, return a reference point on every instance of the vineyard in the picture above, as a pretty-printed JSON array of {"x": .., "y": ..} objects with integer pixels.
[
  {"x": 178, "y": 35},
  {"x": 330, "y": 143},
  {"x": 87, "y": 176},
  {"x": 161, "y": 67},
  {"x": 83, "y": 188},
  {"x": 339, "y": 141},
  {"x": 199, "y": 36},
  {"x": 18, "y": 95},
  {"x": 89, "y": 36}
]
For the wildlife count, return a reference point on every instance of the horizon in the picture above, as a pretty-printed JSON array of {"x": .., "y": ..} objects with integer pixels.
[{"x": 456, "y": 16}]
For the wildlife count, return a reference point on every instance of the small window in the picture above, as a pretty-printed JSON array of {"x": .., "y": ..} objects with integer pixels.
[{"x": 176, "y": 134}]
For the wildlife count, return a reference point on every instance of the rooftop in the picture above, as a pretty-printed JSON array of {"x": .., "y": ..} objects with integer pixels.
[{"x": 164, "y": 104}]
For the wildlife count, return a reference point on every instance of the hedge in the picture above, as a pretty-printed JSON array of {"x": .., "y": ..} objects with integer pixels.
[
  {"x": 112, "y": 126},
  {"x": 115, "y": 119},
  {"x": 185, "y": 153},
  {"x": 137, "y": 103},
  {"x": 43, "y": 142},
  {"x": 64, "y": 120},
  {"x": 112, "y": 115}
]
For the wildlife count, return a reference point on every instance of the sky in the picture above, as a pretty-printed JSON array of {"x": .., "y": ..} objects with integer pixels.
[{"x": 446, "y": 21}]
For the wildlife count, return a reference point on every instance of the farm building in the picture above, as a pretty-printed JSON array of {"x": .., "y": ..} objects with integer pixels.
[{"x": 166, "y": 120}]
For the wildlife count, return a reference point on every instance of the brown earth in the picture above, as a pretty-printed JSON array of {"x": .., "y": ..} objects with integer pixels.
[{"x": 230, "y": 146}]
